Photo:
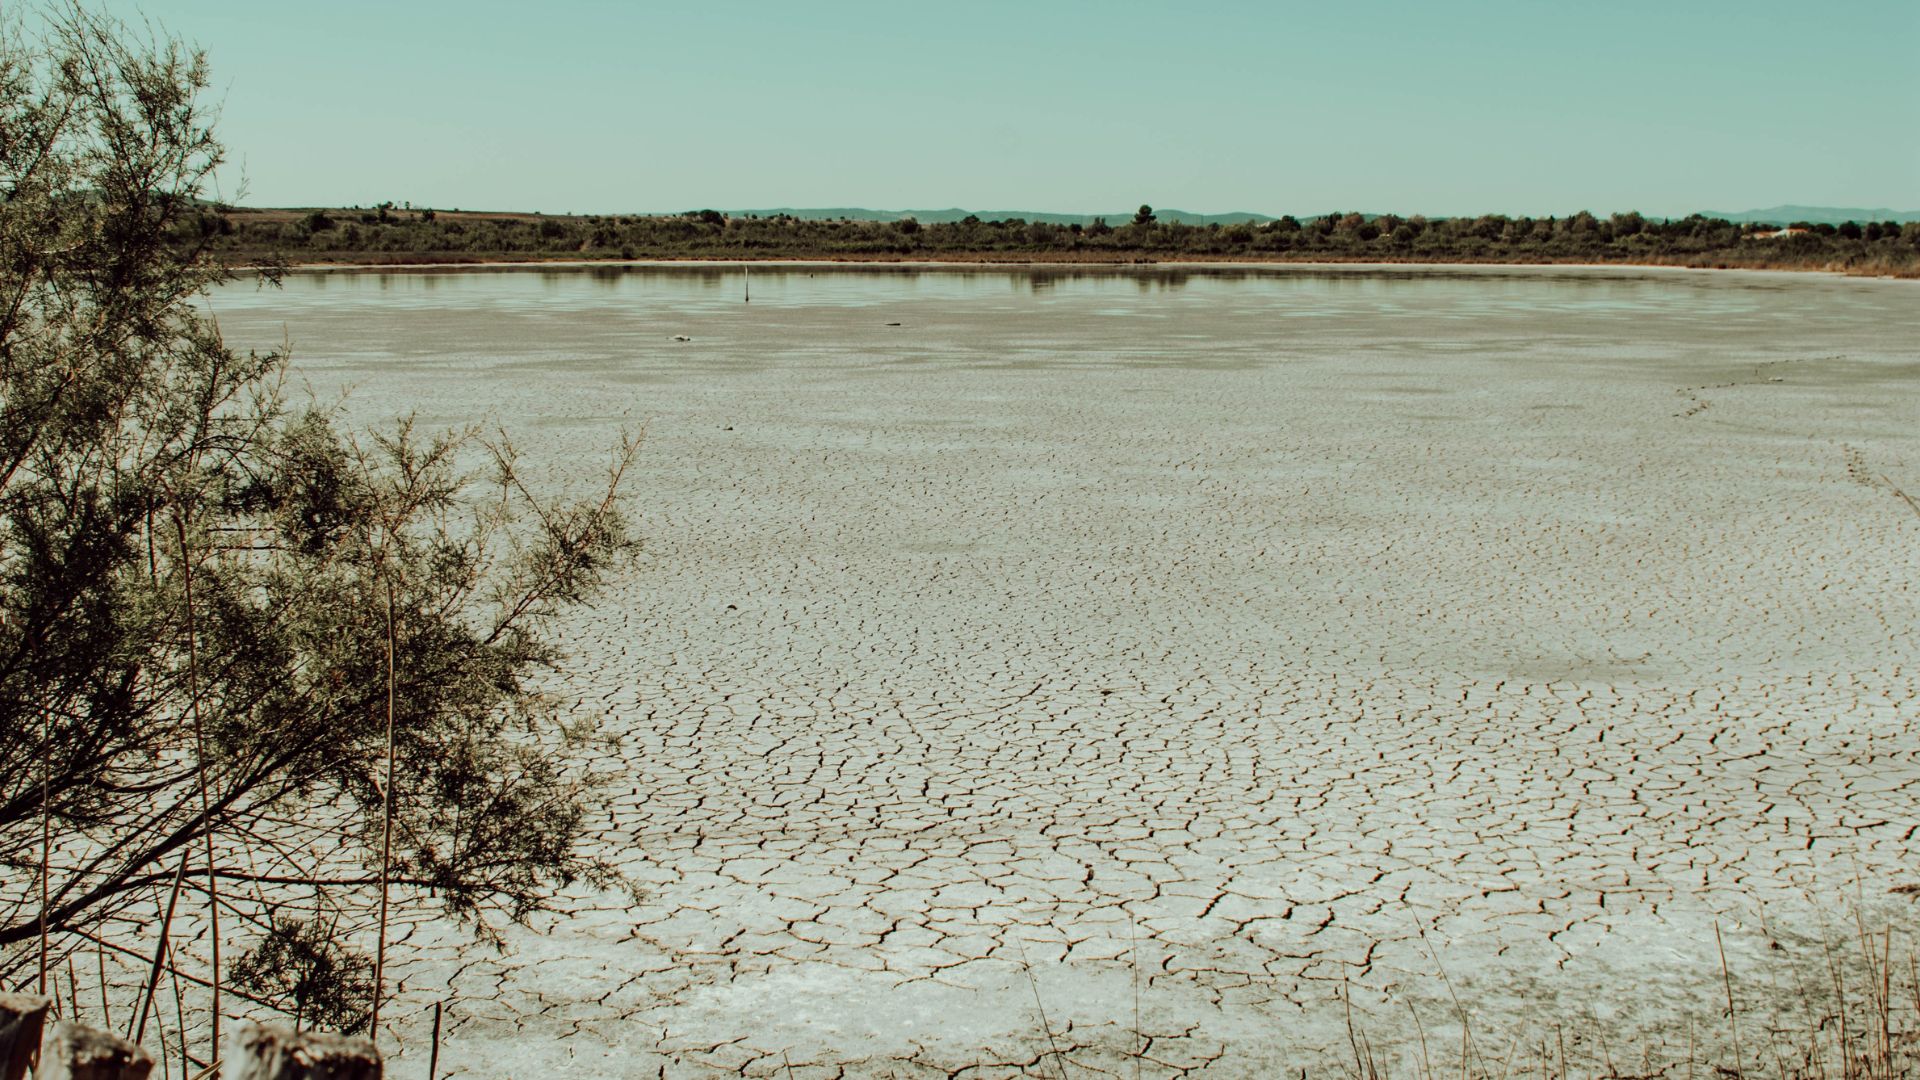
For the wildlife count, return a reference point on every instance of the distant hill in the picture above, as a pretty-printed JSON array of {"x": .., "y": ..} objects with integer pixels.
[
  {"x": 933, "y": 217},
  {"x": 1817, "y": 215}
]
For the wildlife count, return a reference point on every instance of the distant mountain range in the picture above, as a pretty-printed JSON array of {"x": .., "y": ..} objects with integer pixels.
[
  {"x": 1776, "y": 215},
  {"x": 1816, "y": 215},
  {"x": 934, "y": 217}
]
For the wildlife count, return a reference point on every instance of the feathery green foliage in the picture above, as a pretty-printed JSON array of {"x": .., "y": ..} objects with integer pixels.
[
  {"x": 195, "y": 578},
  {"x": 301, "y": 968}
]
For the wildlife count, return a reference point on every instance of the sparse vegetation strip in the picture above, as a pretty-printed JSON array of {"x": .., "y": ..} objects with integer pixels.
[{"x": 401, "y": 235}]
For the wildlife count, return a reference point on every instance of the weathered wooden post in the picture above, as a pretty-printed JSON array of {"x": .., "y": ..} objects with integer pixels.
[
  {"x": 259, "y": 1052},
  {"x": 74, "y": 1052},
  {"x": 21, "y": 1017}
]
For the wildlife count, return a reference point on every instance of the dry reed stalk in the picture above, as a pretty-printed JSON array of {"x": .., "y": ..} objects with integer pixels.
[
  {"x": 1353, "y": 1041},
  {"x": 1690, "y": 1050},
  {"x": 1426, "y": 1062},
  {"x": 1873, "y": 978},
  {"x": 1733, "y": 1016},
  {"x": 1913, "y": 975},
  {"x": 159, "y": 953},
  {"x": 190, "y": 977},
  {"x": 1884, "y": 1007},
  {"x": 386, "y": 835},
  {"x": 1506, "y": 1063},
  {"x": 1837, "y": 974},
  {"x": 1466, "y": 1027},
  {"x": 179, "y": 1012},
  {"x": 1046, "y": 1026},
  {"x": 46, "y": 835},
  {"x": 106, "y": 1012},
  {"x": 1908, "y": 499},
  {"x": 1133, "y": 956},
  {"x": 200, "y": 774}
]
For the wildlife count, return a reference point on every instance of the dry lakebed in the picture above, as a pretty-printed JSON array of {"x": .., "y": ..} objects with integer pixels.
[{"x": 1204, "y": 659}]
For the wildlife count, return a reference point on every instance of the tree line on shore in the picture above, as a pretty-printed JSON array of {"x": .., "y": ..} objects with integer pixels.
[{"x": 386, "y": 234}]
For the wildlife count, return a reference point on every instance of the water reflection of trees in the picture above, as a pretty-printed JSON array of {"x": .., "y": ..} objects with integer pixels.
[{"x": 1028, "y": 278}]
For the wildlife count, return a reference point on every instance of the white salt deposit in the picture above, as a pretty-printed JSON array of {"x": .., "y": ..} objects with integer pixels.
[{"x": 1210, "y": 638}]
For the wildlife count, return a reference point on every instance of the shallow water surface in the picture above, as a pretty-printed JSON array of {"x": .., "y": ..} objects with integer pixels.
[{"x": 1222, "y": 632}]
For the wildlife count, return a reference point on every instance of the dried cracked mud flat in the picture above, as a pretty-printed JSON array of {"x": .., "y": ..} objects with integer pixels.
[{"x": 1189, "y": 658}]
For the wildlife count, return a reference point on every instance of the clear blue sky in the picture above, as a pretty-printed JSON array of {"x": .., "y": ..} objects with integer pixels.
[{"x": 1433, "y": 107}]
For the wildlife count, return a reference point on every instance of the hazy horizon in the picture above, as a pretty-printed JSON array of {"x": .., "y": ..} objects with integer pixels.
[{"x": 1493, "y": 107}]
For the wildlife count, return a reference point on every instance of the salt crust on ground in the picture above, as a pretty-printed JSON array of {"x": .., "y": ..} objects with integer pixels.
[{"x": 1198, "y": 640}]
